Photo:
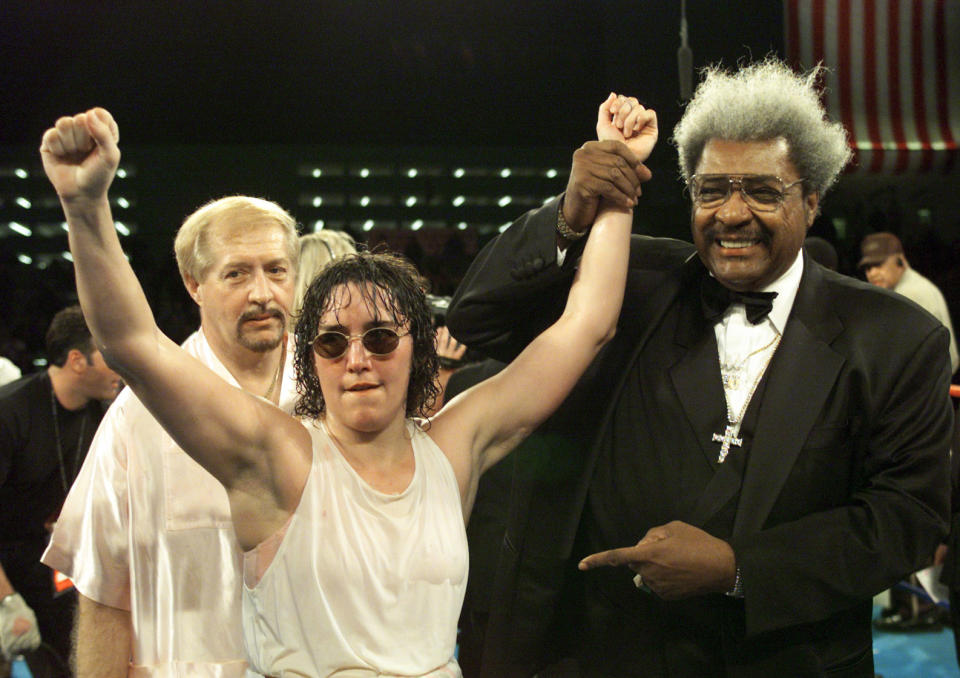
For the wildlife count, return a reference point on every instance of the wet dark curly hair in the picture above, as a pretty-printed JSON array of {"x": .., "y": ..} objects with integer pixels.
[{"x": 387, "y": 281}]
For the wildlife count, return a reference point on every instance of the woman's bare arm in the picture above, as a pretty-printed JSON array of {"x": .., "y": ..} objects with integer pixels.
[
  {"x": 483, "y": 424},
  {"x": 249, "y": 445}
]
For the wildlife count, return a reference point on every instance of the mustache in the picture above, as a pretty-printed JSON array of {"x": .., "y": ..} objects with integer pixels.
[
  {"x": 256, "y": 312},
  {"x": 717, "y": 232}
]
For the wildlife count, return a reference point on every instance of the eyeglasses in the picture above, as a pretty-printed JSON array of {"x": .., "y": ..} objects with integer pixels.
[
  {"x": 377, "y": 341},
  {"x": 761, "y": 192}
]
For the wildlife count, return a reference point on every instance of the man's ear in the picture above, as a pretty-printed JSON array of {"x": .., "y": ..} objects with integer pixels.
[
  {"x": 193, "y": 288},
  {"x": 76, "y": 361},
  {"x": 811, "y": 204}
]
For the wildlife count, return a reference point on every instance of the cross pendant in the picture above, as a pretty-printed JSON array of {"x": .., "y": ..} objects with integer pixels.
[{"x": 726, "y": 439}]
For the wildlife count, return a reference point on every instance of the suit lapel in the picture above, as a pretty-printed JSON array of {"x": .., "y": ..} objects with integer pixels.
[
  {"x": 696, "y": 377},
  {"x": 802, "y": 375}
]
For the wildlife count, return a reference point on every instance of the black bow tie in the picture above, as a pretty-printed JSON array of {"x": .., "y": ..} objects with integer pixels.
[{"x": 715, "y": 298}]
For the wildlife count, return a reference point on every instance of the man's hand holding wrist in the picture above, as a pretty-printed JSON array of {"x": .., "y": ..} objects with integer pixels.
[{"x": 565, "y": 231}]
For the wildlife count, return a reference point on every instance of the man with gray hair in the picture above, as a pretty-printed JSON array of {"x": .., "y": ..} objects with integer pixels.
[
  {"x": 763, "y": 444},
  {"x": 145, "y": 533}
]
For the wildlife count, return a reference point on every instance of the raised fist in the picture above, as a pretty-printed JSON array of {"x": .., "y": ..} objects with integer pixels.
[{"x": 80, "y": 155}]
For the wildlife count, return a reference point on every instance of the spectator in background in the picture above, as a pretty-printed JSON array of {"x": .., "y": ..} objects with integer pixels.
[
  {"x": 316, "y": 251},
  {"x": 47, "y": 421},
  {"x": 884, "y": 264}
]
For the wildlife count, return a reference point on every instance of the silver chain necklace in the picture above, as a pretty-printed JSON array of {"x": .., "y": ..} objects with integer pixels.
[{"x": 56, "y": 433}]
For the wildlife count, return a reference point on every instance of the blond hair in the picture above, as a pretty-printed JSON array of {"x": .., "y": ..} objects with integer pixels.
[
  {"x": 317, "y": 250},
  {"x": 192, "y": 244}
]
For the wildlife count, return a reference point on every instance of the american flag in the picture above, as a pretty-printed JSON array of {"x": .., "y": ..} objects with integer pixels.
[{"x": 893, "y": 79}]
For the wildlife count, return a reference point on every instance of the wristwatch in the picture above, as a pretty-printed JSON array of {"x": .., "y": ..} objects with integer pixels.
[{"x": 563, "y": 228}]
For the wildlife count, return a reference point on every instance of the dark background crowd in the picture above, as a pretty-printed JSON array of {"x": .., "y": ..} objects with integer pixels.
[
  {"x": 428, "y": 128},
  {"x": 258, "y": 98}
]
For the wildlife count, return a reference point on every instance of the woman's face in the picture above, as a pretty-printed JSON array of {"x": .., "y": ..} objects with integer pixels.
[{"x": 363, "y": 391}]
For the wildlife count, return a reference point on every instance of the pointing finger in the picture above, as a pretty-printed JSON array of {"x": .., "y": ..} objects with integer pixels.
[{"x": 630, "y": 555}]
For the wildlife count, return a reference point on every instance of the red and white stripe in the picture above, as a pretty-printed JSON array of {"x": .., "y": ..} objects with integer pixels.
[{"x": 893, "y": 79}]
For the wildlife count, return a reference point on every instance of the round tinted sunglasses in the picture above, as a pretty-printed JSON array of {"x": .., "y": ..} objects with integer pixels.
[{"x": 376, "y": 340}]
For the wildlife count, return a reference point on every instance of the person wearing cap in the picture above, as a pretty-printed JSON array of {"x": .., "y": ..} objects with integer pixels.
[{"x": 884, "y": 264}]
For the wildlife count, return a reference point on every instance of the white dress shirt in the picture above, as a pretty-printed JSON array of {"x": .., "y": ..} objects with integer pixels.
[{"x": 751, "y": 347}]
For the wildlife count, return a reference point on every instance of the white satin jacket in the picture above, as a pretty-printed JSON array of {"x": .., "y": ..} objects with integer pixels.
[{"x": 146, "y": 529}]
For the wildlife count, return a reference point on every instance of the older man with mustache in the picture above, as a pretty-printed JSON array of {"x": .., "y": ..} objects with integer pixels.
[{"x": 145, "y": 533}]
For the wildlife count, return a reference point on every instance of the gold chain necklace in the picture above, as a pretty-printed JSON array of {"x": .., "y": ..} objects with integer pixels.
[
  {"x": 732, "y": 372},
  {"x": 278, "y": 377}
]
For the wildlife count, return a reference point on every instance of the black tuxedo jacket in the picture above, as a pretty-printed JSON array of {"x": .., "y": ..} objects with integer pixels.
[{"x": 844, "y": 492}]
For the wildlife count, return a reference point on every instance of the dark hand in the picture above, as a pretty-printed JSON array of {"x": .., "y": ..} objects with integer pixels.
[
  {"x": 676, "y": 561},
  {"x": 601, "y": 169},
  {"x": 449, "y": 348}
]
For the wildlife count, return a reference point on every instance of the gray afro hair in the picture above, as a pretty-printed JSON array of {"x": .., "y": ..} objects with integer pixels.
[{"x": 759, "y": 102}]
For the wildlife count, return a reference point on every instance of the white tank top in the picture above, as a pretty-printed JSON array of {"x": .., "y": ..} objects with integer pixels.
[{"x": 363, "y": 583}]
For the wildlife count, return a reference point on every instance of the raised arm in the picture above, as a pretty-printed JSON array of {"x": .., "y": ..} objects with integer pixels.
[
  {"x": 480, "y": 426},
  {"x": 514, "y": 288},
  {"x": 255, "y": 450}
]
